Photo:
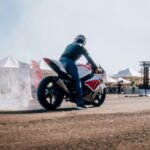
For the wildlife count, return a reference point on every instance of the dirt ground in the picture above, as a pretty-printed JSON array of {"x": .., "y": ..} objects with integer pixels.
[{"x": 121, "y": 123}]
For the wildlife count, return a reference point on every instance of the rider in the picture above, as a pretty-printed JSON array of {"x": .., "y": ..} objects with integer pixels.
[{"x": 69, "y": 57}]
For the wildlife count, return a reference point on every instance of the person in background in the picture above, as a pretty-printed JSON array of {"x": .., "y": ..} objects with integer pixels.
[
  {"x": 119, "y": 88},
  {"x": 133, "y": 87}
]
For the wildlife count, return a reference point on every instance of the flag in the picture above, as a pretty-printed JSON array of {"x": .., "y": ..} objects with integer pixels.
[{"x": 36, "y": 73}]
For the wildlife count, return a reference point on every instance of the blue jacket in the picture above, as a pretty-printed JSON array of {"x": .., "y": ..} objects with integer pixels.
[{"x": 74, "y": 51}]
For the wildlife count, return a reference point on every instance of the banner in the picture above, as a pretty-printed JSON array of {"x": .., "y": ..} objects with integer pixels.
[{"x": 36, "y": 73}]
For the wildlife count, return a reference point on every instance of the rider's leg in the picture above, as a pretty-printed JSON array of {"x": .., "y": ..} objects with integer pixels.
[{"x": 73, "y": 71}]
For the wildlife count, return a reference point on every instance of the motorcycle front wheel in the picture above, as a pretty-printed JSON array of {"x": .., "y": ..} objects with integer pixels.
[
  {"x": 100, "y": 98},
  {"x": 49, "y": 94}
]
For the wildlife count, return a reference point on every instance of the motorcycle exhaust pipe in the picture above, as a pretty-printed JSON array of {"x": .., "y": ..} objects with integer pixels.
[{"x": 61, "y": 84}]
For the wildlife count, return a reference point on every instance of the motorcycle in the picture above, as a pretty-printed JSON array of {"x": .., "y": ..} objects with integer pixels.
[{"x": 52, "y": 90}]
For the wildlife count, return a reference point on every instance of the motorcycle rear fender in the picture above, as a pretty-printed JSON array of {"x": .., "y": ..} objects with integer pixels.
[{"x": 57, "y": 67}]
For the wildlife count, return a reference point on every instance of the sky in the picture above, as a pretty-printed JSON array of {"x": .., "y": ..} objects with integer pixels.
[{"x": 117, "y": 31}]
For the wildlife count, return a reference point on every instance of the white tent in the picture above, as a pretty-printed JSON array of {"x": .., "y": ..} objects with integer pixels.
[
  {"x": 9, "y": 62},
  {"x": 124, "y": 81},
  {"x": 127, "y": 73},
  {"x": 110, "y": 80},
  {"x": 15, "y": 77}
]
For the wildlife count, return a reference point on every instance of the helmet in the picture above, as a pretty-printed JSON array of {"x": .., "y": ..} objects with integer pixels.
[{"x": 80, "y": 39}]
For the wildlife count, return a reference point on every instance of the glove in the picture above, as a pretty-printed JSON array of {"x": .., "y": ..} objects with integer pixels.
[{"x": 98, "y": 71}]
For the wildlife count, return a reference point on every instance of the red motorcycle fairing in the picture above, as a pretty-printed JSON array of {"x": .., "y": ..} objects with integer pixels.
[{"x": 92, "y": 84}]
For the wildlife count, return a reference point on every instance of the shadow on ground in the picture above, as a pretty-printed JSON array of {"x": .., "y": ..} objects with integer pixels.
[{"x": 38, "y": 111}]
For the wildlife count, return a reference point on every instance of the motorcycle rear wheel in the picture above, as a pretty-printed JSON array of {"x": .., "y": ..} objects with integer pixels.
[{"x": 49, "y": 95}]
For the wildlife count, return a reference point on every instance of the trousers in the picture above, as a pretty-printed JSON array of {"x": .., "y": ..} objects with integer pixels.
[{"x": 72, "y": 69}]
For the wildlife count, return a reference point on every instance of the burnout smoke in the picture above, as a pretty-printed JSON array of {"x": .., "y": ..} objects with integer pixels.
[{"x": 15, "y": 87}]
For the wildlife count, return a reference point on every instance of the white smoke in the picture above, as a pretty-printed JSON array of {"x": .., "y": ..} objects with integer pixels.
[{"x": 15, "y": 88}]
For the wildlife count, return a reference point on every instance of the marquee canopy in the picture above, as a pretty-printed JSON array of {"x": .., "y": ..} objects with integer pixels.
[
  {"x": 9, "y": 62},
  {"x": 127, "y": 73}
]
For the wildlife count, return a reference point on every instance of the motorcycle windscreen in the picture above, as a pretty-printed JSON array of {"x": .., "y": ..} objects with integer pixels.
[{"x": 84, "y": 70}]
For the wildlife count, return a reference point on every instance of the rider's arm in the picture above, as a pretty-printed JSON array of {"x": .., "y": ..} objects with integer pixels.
[{"x": 89, "y": 59}]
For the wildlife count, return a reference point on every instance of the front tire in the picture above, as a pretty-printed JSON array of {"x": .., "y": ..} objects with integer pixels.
[
  {"x": 100, "y": 98},
  {"x": 49, "y": 95}
]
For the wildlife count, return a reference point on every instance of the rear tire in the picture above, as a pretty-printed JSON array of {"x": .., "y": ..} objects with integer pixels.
[{"x": 49, "y": 94}]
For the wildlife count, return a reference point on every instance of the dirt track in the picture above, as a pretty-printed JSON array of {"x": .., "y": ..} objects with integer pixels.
[{"x": 121, "y": 123}]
